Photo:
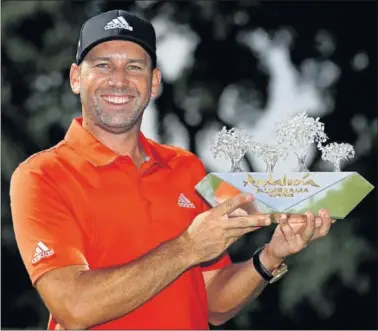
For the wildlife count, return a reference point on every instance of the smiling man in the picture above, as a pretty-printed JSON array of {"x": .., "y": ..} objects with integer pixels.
[{"x": 108, "y": 224}]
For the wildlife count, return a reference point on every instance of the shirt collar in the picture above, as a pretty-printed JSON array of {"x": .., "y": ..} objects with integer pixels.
[{"x": 88, "y": 146}]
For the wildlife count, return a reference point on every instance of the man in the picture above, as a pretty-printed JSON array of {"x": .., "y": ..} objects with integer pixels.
[{"x": 107, "y": 222}]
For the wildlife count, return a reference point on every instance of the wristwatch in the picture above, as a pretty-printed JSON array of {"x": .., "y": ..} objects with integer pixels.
[{"x": 270, "y": 277}]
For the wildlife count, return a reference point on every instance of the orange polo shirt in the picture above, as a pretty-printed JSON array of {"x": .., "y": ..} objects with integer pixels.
[{"x": 80, "y": 203}]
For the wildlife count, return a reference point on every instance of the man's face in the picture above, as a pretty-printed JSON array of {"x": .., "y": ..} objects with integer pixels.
[{"x": 115, "y": 82}]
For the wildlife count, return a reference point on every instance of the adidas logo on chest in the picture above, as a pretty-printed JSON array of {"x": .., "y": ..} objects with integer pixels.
[{"x": 184, "y": 202}]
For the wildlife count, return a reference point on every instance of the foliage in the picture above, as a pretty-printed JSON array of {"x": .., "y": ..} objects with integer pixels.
[
  {"x": 300, "y": 132},
  {"x": 336, "y": 153},
  {"x": 231, "y": 144}
]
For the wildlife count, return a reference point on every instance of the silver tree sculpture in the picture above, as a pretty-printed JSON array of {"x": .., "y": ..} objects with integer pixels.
[
  {"x": 336, "y": 153},
  {"x": 270, "y": 152},
  {"x": 232, "y": 144},
  {"x": 299, "y": 133}
]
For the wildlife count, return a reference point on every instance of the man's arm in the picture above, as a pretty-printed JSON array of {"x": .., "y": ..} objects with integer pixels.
[
  {"x": 230, "y": 288},
  {"x": 79, "y": 298}
]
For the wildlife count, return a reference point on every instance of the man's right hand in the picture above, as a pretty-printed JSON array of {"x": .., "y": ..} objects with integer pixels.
[{"x": 212, "y": 232}]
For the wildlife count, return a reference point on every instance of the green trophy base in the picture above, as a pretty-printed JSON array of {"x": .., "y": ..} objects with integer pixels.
[{"x": 289, "y": 192}]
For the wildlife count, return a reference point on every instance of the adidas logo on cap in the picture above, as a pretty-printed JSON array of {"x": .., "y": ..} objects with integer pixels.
[{"x": 118, "y": 22}]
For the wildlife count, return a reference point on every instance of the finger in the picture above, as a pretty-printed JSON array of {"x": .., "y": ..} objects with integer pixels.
[
  {"x": 319, "y": 232},
  {"x": 318, "y": 221},
  {"x": 246, "y": 221},
  {"x": 288, "y": 233},
  {"x": 299, "y": 227},
  {"x": 230, "y": 205},
  {"x": 327, "y": 222},
  {"x": 309, "y": 228},
  {"x": 292, "y": 218},
  {"x": 296, "y": 220},
  {"x": 316, "y": 235},
  {"x": 238, "y": 212}
]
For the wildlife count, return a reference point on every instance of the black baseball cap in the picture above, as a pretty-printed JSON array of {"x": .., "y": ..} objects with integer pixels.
[{"x": 116, "y": 25}]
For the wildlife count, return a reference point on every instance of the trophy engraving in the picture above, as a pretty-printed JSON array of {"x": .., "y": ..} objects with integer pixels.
[
  {"x": 270, "y": 153},
  {"x": 232, "y": 144},
  {"x": 299, "y": 133},
  {"x": 336, "y": 153},
  {"x": 283, "y": 187}
]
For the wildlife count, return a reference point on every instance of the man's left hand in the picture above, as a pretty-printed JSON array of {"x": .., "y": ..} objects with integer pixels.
[{"x": 291, "y": 237}]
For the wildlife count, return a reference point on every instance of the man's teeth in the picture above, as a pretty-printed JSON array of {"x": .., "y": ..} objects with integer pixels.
[{"x": 118, "y": 100}]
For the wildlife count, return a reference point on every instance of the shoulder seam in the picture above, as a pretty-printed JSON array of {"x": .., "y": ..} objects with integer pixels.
[{"x": 31, "y": 157}]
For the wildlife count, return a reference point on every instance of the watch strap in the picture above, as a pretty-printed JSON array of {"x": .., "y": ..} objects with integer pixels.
[{"x": 264, "y": 273}]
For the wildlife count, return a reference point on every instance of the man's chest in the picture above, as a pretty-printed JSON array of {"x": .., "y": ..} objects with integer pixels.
[{"x": 128, "y": 216}]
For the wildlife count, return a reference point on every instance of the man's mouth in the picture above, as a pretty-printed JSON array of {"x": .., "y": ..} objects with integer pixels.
[{"x": 118, "y": 100}]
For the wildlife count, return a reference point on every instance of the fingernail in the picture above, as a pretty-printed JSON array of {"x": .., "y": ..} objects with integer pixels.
[{"x": 249, "y": 197}]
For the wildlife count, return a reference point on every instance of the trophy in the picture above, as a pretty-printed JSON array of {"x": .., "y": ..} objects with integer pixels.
[
  {"x": 270, "y": 152},
  {"x": 299, "y": 133},
  {"x": 336, "y": 153},
  {"x": 232, "y": 144},
  {"x": 293, "y": 192}
]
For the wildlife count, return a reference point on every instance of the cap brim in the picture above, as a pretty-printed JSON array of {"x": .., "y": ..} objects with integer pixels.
[{"x": 118, "y": 37}]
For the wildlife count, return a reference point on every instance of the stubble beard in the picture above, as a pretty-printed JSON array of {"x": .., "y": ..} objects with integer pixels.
[{"x": 116, "y": 122}]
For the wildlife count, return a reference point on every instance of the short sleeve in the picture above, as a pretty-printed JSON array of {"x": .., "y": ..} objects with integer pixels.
[
  {"x": 46, "y": 233},
  {"x": 224, "y": 260}
]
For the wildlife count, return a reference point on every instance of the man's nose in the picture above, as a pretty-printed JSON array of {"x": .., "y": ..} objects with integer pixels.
[{"x": 118, "y": 78}]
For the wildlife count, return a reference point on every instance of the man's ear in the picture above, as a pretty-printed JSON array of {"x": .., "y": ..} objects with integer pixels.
[
  {"x": 75, "y": 78},
  {"x": 156, "y": 79}
]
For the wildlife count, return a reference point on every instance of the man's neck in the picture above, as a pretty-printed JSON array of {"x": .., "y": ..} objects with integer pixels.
[{"x": 123, "y": 144}]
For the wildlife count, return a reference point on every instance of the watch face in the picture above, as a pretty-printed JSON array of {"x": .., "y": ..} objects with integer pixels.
[{"x": 279, "y": 273}]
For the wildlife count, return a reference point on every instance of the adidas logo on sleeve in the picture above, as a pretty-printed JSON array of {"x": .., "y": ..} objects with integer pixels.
[{"x": 41, "y": 252}]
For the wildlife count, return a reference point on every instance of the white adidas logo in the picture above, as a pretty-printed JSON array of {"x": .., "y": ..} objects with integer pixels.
[
  {"x": 184, "y": 202},
  {"x": 41, "y": 252},
  {"x": 118, "y": 22}
]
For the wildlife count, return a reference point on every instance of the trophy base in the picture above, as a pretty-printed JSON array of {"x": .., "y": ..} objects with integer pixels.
[{"x": 289, "y": 192}]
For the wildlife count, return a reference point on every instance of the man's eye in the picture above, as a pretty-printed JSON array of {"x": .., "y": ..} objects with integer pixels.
[
  {"x": 134, "y": 67},
  {"x": 102, "y": 65}
]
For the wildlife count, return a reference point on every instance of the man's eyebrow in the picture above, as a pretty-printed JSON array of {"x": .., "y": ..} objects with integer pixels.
[
  {"x": 141, "y": 61},
  {"x": 100, "y": 58},
  {"x": 109, "y": 58}
]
